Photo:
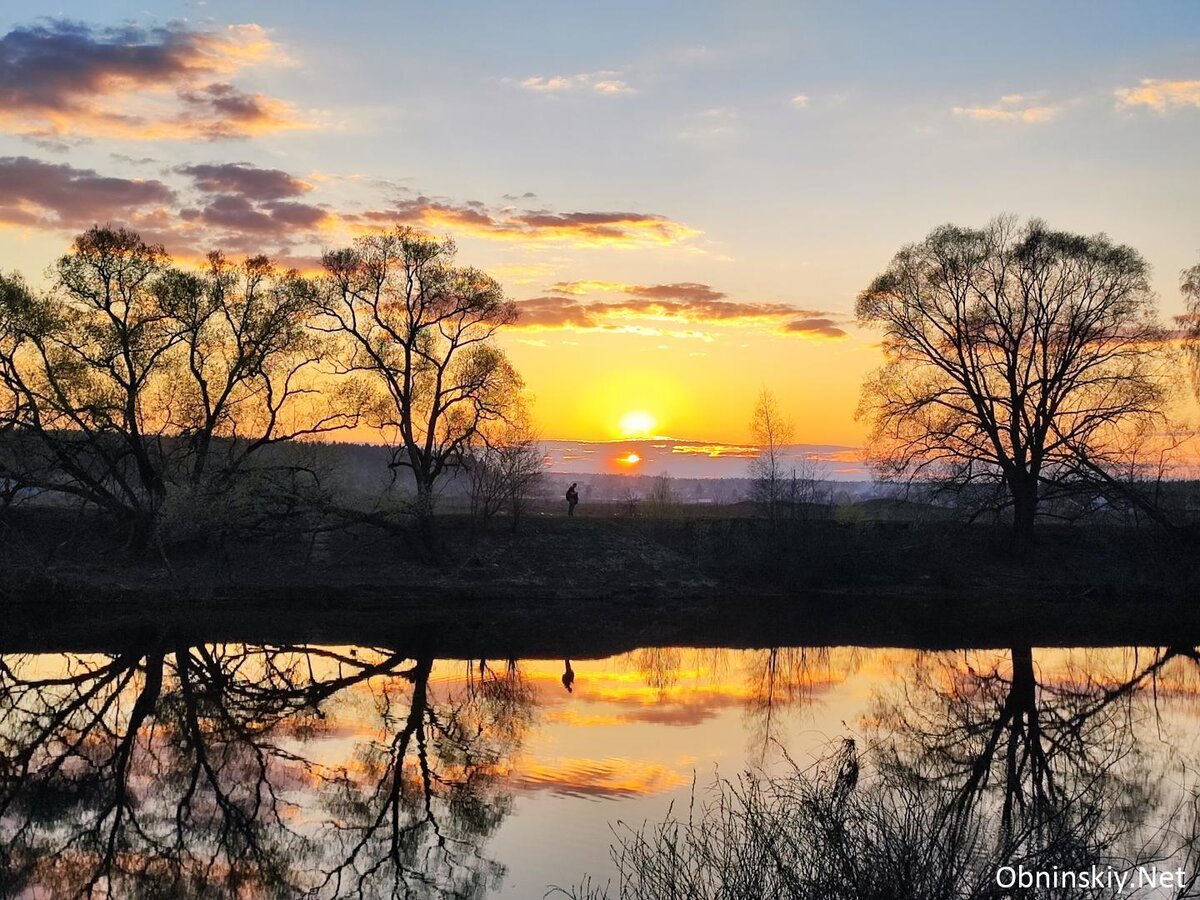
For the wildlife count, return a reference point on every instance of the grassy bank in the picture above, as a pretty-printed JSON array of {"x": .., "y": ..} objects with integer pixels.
[{"x": 599, "y": 583}]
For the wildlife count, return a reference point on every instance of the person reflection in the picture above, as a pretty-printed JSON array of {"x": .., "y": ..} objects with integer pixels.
[{"x": 568, "y": 677}]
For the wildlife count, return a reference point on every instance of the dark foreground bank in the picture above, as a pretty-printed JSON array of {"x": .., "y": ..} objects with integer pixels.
[{"x": 597, "y": 585}]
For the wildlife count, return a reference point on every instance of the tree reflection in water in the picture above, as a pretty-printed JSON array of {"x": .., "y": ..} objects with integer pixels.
[
  {"x": 230, "y": 770},
  {"x": 970, "y": 767},
  {"x": 980, "y": 725},
  {"x": 175, "y": 771}
]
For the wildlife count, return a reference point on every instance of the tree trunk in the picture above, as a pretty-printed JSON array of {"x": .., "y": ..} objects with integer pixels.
[
  {"x": 141, "y": 524},
  {"x": 423, "y": 510},
  {"x": 1025, "y": 502}
]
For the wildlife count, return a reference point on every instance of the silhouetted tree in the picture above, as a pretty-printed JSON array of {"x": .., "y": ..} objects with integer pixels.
[
  {"x": 248, "y": 363},
  {"x": 771, "y": 431},
  {"x": 121, "y": 377},
  {"x": 1012, "y": 354},
  {"x": 506, "y": 466},
  {"x": 1189, "y": 286},
  {"x": 421, "y": 329}
]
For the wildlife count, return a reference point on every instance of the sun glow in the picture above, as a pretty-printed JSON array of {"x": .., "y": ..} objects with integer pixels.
[
  {"x": 629, "y": 459},
  {"x": 638, "y": 424}
]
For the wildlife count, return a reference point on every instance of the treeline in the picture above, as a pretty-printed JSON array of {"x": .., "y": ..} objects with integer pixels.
[
  {"x": 132, "y": 385},
  {"x": 1026, "y": 374}
]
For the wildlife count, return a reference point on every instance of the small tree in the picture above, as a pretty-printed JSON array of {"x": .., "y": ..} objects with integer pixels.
[
  {"x": 421, "y": 329},
  {"x": 771, "y": 431},
  {"x": 803, "y": 487},
  {"x": 1189, "y": 286},
  {"x": 662, "y": 499},
  {"x": 506, "y": 468},
  {"x": 1013, "y": 355}
]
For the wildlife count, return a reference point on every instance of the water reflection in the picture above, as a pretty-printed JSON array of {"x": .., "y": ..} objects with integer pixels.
[
  {"x": 262, "y": 771},
  {"x": 213, "y": 771}
]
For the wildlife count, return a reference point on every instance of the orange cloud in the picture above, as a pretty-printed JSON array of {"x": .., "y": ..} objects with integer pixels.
[
  {"x": 1020, "y": 108},
  {"x": 716, "y": 451},
  {"x": 578, "y": 229},
  {"x": 66, "y": 80},
  {"x": 688, "y": 303},
  {"x": 1160, "y": 95}
]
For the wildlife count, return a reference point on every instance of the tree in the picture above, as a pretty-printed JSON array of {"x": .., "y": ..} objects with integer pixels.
[
  {"x": 247, "y": 364},
  {"x": 771, "y": 431},
  {"x": 1016, "y": 357},
  {"x": 662, "y": 499},
  {"x": 1189, "y": 286},
  {"x": 122, "y": 378},
  {"x": 421, "y": 329},
  {"x": 506, "y": 467},
  {"x": 81, "y": 362}
]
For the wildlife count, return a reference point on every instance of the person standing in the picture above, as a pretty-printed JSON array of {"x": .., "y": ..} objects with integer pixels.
[{"x": 572, "y": 498}]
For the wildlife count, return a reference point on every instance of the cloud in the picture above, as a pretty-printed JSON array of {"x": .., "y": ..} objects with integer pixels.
[
  {"x": 685, "y": 303},
  {"x": 1160, "y": 95},
  {"x": 1011, "y": 108},
  {"x": 245, "y": 180},
  {"x": 68, "y": 79},
  {"x": 580, "y": 229},
  {"x": 800, "y": 101},
  {"x": 43, "y": 195},
  {"x": 595, "y": 82},
  {"x": 679, "y": 291},
  {"x": 555, "y": 312},
  {"x": 237, "y": 215},
  {"x": 236, "y": 205},
  {"x": 817, "y": 326},
  {"x": 716, "y": 451}
]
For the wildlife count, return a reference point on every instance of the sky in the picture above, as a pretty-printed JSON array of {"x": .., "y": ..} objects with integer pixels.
[{"x": 684, "y": 198}]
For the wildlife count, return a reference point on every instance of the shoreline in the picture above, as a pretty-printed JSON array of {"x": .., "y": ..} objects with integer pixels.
[{"x": 465, "y": 623}]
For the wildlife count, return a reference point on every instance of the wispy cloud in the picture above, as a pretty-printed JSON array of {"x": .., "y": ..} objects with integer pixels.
[
  {"x": 1159, "y": 94},
  {"x": 1012, "y": 108},
  {"x": 800, "y": 101},
  {"x": 69, "y": 80},
  {"x": 682, "y": 303},
  {"x": 578, "y": 229},
  {"x": 607, "y": 82},
  {"x": 245, "y": 180}
]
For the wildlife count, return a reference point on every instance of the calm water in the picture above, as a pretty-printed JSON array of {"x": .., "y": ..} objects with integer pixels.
[{"x": 262, "y": 771}]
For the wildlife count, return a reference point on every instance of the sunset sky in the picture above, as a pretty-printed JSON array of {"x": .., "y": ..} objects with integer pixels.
[{"x": 684, "y": 197}]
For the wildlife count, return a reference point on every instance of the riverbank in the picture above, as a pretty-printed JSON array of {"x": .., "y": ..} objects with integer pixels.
[{"x": 597, "y": 585}]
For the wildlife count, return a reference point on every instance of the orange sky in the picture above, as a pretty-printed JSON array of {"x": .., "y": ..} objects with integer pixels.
[{"x": 684, "y": 201}]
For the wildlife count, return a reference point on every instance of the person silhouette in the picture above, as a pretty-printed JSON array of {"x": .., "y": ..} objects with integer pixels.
[
  {"x": 568, "y": 677},
  {"x": 572, "y": 498}
]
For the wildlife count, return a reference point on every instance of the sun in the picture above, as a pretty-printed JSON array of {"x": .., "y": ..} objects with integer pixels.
[
  {"x": 630, "y": 459},
  {"x": 638, "y": 424}
]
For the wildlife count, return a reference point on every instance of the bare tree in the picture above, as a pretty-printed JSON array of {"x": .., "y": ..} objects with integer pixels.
[
  {"x": 662, "y": 499},
  {"x": 1012, "y": 352},
  {"x": 83, "y": 361},
  {"x": 505, "y": 468},
  {"x": 122, "y": 379},
  {"x": 1189, "y": 286},
  {"x": 421, "y": 329},
  {"x": 771, "y": 431},
  {"x": 247, "y": 370}
]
